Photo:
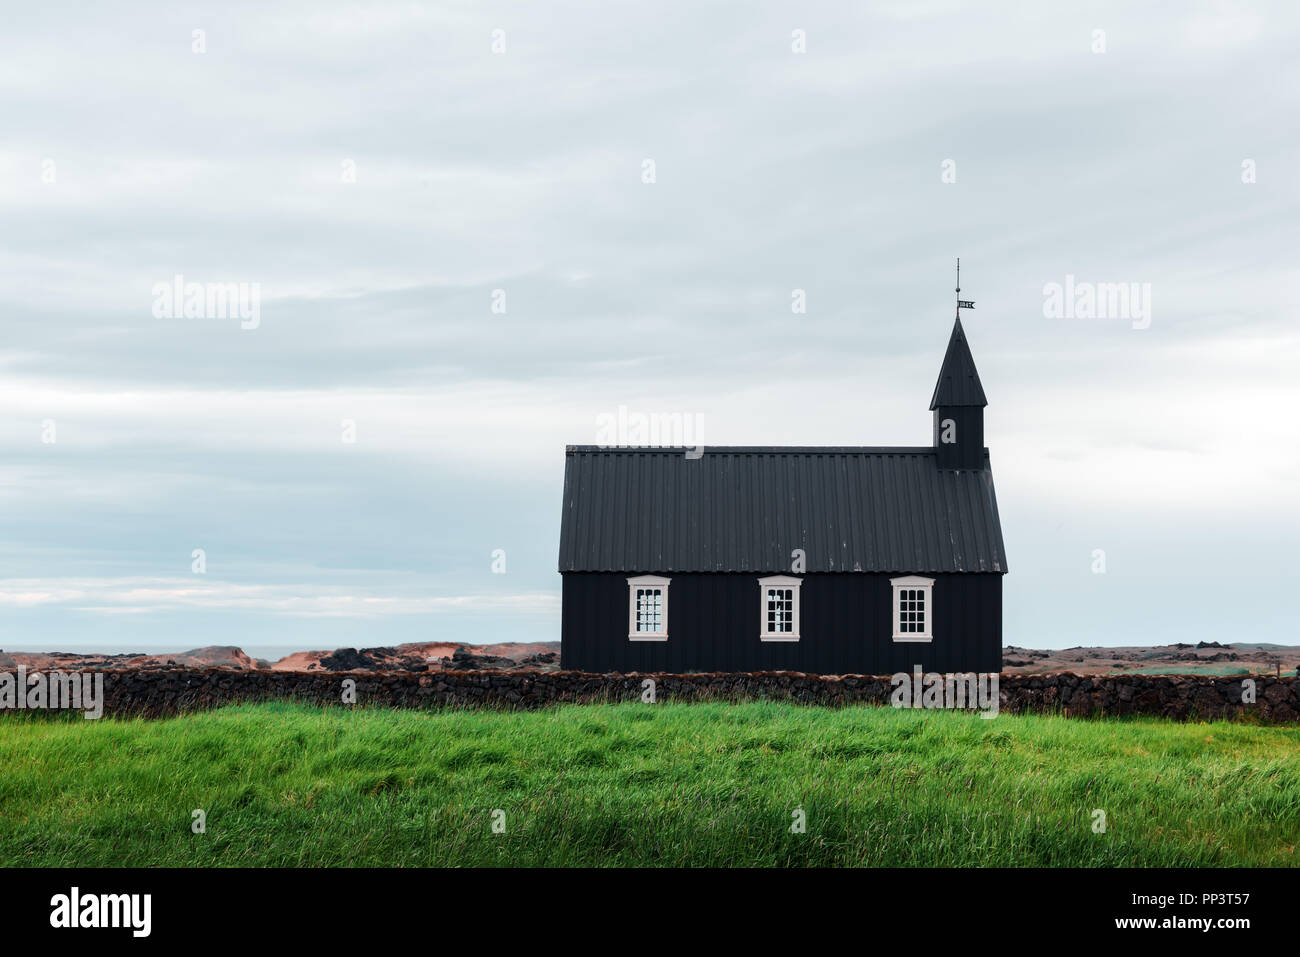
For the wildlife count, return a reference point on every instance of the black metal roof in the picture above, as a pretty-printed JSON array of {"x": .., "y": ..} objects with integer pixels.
[
  {"x": 745, "y": 509},
  {"x": 959, "y": 383}
]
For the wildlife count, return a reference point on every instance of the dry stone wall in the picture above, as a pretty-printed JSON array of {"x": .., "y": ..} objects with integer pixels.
[{"x": 1183, "y": 697}]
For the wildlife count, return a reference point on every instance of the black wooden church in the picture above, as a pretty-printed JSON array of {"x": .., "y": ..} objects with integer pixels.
[{"x": 838, "y": 560}]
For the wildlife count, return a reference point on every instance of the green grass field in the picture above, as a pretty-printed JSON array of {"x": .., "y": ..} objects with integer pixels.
[{"x": 631, "y": 784}]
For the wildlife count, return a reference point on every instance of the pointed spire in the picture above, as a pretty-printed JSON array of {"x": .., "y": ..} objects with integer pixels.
[{"x": 959, "y": 383}]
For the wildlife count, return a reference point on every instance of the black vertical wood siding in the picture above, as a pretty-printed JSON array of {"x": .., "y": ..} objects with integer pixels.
[
  {"x": 968, "y": 451},
  {"x": 846, "y": 626}
]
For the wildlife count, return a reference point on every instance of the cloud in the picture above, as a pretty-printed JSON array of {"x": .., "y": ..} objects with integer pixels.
[
  {"x": 130, "y": 160},
  {"x": 120, "y": 596}
]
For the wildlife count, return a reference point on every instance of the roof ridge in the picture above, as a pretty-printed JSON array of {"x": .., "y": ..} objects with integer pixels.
[{"x": 762, "y": 449}]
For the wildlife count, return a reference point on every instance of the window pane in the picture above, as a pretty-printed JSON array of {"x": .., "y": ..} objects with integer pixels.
[{"x": 649, "y": 610}]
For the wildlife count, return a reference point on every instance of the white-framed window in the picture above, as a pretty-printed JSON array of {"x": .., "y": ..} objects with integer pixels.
[
  {"x": 647, "y": 608},
  {"x": 913, "y": 608},
  {"x": 778, "y": 608}
]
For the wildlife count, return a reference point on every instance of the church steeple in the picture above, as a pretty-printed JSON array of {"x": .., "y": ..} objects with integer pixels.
[
  {"x": 958, "y": 406},
  {"x": 959, "y": 382}
]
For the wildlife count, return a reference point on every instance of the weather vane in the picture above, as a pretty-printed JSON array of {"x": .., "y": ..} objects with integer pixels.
[{"x": 962, "y": 303}]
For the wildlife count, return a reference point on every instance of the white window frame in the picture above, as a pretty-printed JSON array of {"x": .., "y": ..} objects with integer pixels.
[
  {"x": 925, "y": 585},
  {"x": 778, "y": 581},
  {"x": 646, "y": 581}
]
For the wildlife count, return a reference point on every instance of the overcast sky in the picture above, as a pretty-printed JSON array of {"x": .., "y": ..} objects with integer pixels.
[{"x": 380, "y": 171}]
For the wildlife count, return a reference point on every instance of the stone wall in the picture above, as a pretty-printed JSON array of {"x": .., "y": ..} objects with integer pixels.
[{"x": 156, "y": 693}]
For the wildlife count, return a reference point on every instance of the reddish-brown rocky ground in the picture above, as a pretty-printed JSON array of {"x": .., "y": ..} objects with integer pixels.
[
  {"x": 1203, "y": 658},
  {"x": 420, "y": 656}
]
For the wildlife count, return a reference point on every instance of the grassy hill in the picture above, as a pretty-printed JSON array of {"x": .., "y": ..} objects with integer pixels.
[{"x": 704, "y": 784}]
